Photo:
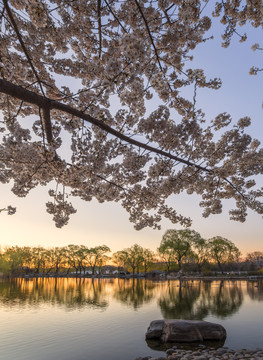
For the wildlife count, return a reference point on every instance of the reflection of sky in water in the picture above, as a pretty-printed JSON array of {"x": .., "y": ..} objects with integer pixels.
[{"x": 84, "y": 319}]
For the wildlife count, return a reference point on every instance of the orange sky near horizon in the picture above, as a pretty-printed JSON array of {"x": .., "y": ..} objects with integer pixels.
[{"x": 97, "y": 224}]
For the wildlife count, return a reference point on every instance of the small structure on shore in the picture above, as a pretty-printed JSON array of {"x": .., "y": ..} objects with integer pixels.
[{"x": 174, "y": 330}]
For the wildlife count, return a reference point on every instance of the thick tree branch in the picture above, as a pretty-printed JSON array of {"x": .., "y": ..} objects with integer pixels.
[
  {"x": 48, "y": 104},
  {"x": 45, "y": 103},
  {"x": 47, "y": 124}
]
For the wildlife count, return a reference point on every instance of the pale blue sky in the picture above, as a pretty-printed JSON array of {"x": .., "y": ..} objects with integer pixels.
[{"x": 95, "y": 224}]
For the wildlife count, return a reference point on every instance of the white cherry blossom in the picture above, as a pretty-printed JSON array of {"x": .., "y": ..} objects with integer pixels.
[{"x": 68, "y": 64}]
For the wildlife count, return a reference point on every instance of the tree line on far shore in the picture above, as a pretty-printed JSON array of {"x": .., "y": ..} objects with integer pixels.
[{"x": 180, "y": 250}]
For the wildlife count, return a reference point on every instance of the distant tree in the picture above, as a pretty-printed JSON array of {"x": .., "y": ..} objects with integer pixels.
[
  {"x": 38, "y": 258},
  {"x": 5, "y": 266},
  {"x": 56, "y": 259},
  {"x": 14, "y": 256},
  {"x": 166, "y": 255},
  {"x": 27, "y": 256},
  {"x": 148, "y": 257},
  {"x": 81, "y": 257},
  {"x": 132, "y": 257},
  {"x": 255, "y": 259},
  {"x": 102, "y": 262},
  {"x": 177, "y": 244},
  {"x": 119, "y": 258},
  {"x": 71, "y": 255},
  {"x": 95, "y": 256},
  {"x": 222, "y": 251},
  {"x": 200, "y": 251}
]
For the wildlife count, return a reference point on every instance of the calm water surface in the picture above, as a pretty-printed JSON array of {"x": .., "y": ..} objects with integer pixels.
[{"x": 80, "y": 319}]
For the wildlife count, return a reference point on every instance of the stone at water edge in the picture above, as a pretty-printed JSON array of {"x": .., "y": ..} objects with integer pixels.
[
  {"x": 155, "y": 330},
  {"x": 184, "y": 331}
]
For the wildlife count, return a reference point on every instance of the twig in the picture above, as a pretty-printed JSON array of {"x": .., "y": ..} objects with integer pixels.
[
  {"x": 149, "y": 33},
  {"x": 99, "y": 25},
  {"x": 10, "y": 15}
]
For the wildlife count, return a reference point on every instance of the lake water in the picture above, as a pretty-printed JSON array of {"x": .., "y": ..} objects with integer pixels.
[{"x": 85, "y": 319}]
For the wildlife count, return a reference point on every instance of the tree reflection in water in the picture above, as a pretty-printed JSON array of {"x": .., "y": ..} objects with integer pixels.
[
  {"x": 195, "y": 300},
  {"x": 255, "y": 290},
  {"x": 181, "y": 300},
  {"x": 76, "y": 293},
  {"x": 71, "y": 293},
  {"x": 134, "y": 292},
  {"x": 226, "y": 300}
]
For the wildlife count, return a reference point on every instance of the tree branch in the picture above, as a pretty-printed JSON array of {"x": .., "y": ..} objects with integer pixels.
[
  {"x": 99, "y": 26},
  {"x": 46, "y": 111},
  {"x": 48, "y": 104},
  {"x": 47, "y": 124},
  {"x": 45, "y": 103},
  {"x": 149, "y": 33},
  {"x": 13, "y": 22},
  {"x": 115, "y": 17}
]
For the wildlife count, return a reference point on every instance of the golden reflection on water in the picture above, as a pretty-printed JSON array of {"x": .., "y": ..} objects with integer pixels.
[{"x": 187, "y": 299}]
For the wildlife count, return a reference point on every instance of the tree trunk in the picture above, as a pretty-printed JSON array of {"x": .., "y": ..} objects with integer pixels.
[
  {"x": 220, "y": 267},
  {"x": 179, "y": 264}
]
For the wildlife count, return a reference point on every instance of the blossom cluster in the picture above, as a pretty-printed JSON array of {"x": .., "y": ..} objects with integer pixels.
[{"x": 112, "y": 62}]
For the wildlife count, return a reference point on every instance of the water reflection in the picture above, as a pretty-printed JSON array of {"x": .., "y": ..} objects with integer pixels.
[
  {"x": 133, "y": 292},
  {"x": 108, "y": 317},
  {"x": 226, "y": 300},
  {"x": 195, "y": 300},
  {"x": 255, "y": 290},
  {"x": 181, "y": 300},
  {"x": 70, "y": 293}
]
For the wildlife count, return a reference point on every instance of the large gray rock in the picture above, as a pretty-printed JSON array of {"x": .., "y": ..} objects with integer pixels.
[
  {"x": 184, "y": 331},
  {"x": 155, "y": 330}
]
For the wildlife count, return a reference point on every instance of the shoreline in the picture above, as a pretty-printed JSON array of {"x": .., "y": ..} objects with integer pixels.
[
  {"x": 166, "y": 278},
  {"x": 208, "y": 354}
]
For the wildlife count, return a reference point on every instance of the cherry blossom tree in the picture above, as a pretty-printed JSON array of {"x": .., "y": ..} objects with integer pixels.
[{"x": 65, "y": 63}]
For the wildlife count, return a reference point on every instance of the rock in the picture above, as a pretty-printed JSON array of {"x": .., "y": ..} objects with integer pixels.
[
  {"x": 155, "y": 330},
  {"x": 170, "y": 351},
  {"x": 184, "y": 331},
  {"x": 211, "y": 331},
  {"x": 180, "y": 331},
  {"x": 209, "y": 354}
]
